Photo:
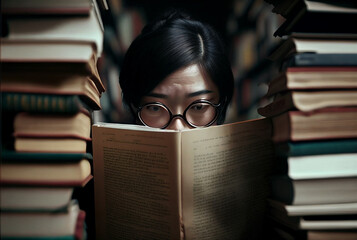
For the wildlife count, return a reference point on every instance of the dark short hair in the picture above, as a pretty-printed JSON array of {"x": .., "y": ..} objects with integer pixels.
[{"x": 168, "y": 44}]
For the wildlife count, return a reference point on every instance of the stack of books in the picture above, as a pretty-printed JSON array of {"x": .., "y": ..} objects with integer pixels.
[
  {"x": 314, "y": 112},
  {"x": 49, "y": 88}
]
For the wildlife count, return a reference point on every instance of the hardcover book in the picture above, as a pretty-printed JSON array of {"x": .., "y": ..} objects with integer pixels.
[
  {"x": 41, "y": 103},
  {"x": 321, "y": 166},
  {"x": 50, "y": 174},
  {"x": 308, "y": 101},
  {"x": 294, "y": 44},
  {"x": 64, "y": 29},
  {"x": 39, "y": 199},
  {"x": 192, "y": 184},
  {"x": 314, "y": 78},
  {"x": 41, "y": 224},
  {"x": 331, "y": 146},
  {"x": 323, "y": 124},
  {"x": 314, "y": 191},
  {"x": 53, "y": 125},
  {"x": 53, "y": 84}
]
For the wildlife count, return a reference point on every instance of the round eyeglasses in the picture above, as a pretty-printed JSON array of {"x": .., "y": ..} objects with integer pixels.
[{"x": 200, "y": 113}]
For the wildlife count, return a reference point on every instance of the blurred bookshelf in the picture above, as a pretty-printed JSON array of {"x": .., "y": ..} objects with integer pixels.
[{"x": 246, "y": 26}]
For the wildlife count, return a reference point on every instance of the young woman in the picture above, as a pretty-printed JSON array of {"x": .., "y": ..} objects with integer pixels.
[{"x": 176, "y": 75}]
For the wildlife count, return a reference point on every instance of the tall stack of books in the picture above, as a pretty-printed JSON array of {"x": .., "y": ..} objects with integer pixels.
[
  {"x": 49, "y": 88},
  {"x": 314, "y": 115}
]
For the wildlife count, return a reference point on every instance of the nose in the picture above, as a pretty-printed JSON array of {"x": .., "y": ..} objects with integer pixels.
[{"x": 178, "y": 124}]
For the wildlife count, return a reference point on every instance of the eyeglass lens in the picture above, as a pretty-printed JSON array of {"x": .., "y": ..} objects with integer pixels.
[{"x": 197, "y": 114}]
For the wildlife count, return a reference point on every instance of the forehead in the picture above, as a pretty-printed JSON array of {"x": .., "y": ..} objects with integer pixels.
[{"x": 184, "y": 81}]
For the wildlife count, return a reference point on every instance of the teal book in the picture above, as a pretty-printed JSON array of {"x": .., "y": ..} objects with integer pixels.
[
  {"x": 41, "y": 103},
  {"x": 22, "y": 157},
  {"x": 316, "y": 147}
]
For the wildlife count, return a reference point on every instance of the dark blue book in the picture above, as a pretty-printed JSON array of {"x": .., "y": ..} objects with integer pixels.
[
  {"x": 320, "y": 59},
  {"x": 41, "y": 103}
]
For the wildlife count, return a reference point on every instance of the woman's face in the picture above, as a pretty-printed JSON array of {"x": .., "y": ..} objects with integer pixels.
[{"x": 179, "y": 90}]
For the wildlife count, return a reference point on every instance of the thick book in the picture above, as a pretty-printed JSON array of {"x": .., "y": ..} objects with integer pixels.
[
  {"x": 319, "y": 16},
  {"x": 294, "y": 44},
  {"x": 292, "y": 8},
  {"x": 79, "y": 234},
  {"x": 313, "y": 209},
  {"x": 40, "y": 224},
  {"x": 323, "y": 124},
  {"x": 50, "y": 144},
  {"x": 192, "y": 184},
  {"x": 314, "y": 191},
  {"x": 320, "y": 166},
  {"x": 52, "y": 51},
  {"x": 23, "y": 68},
  {"x": 50, "y": 174},
  {"x": 37, "y": 199},
  {"x": 332, "y": 235},
  {"x": 46, "y": 7},
  {"x": 331, "y": 146},
  {"x": 307, "y": 101},
  {"x": 53, "y": 125},
  {"x": 283, "y": 232},
  {"x": 333, "y": 222},
  {"x": 41, "y": 103},
  {"x": 46, "y": 29},
  {"x": 53, "y": 84},
  {"x": 317, "y": 78}
]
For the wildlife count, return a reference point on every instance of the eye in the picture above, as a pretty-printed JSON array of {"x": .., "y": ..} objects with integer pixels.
[
  {"x": 153, "y": 108},
  {"x": 198, "y": 107}
]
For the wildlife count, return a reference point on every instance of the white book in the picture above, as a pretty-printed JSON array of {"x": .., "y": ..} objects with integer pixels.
[
  {"x": 58, "y": 28},
  {"x": 34, "y": 198},
  {"x": 39, "y": 224},
  {"x": 323, "y": 166}
]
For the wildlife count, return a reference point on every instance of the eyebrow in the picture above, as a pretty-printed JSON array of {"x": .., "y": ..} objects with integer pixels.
[{"x": 193, "y": 94}]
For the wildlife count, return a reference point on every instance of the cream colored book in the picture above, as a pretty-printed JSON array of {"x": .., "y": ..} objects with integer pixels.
[
  {"x": 50, "y": 145},
  {"x": 85, "y": 28},
  {"x": 53, "y": 125},
  {"x": 50, "y": 174},
  {"x": 193, "y": 184}
]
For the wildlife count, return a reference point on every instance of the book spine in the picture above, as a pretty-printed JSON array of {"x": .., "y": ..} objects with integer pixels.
[
  {"x": 313, "y": 60},
  {"x": 41, "y": 103},
  {"x": 317, "y": 148}
]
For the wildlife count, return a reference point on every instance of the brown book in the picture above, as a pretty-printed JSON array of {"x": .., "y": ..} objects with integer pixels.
[
  {"x": 193, "y": 184},
  {"x": 307, "y": 101},
  {"x": 314, "y": 191},
  {"x": 84, "y": 67},
  {"x": 331, "y": 123},
  {"x": 50, "y": 174},
  {"x": 39, "y": 7},
  {"x": 46, "y": 29},
  {"x": 53, "y": 125},
  {"x": 317, "y": 78},
  {"x": 57, "y": 84},
  {"x": 332, "y": 235}
]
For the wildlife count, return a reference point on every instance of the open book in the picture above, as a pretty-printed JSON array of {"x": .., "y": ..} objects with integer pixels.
[{"x": 208, "y": 183}]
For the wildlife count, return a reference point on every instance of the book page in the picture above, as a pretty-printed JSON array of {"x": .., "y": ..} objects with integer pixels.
[
  {"x": 224, "y": 180},
  {"x": 136, "y": 186}
]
